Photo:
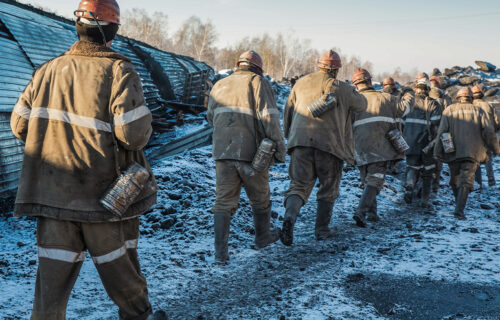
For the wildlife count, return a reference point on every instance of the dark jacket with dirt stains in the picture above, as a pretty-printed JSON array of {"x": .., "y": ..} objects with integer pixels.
[
  {"x": 242, "y": 110},
  {"x": 421, "y": 124},
  {"x": 332, "y": 131},
  {"x": 490, "y": 111},
  {"x": 64, "y": 116},
  {"x": 384, "y": 113},
  {"x": 472, "y": 132}
]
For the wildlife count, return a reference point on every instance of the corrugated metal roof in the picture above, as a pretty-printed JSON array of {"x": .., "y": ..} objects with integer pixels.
[{"x": 29, "y": 38}]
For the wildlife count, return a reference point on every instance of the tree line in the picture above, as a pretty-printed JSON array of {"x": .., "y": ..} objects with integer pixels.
[{"x": 284, "y": 55}]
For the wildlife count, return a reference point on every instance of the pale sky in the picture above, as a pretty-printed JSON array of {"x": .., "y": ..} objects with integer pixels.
[{"x": 420, "y": 33}]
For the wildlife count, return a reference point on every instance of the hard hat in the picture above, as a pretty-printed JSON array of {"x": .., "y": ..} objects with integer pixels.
[
  {"x": 250, "y": 57},
  {"x": 360, "y": 75},
  {"x": 388, "y": 81},
  {"x": 464, "y": 92},
  {"x": 329, "y": 60},
  {"x": 101, "y": 10},
  {"x": 437, "y": 80}
]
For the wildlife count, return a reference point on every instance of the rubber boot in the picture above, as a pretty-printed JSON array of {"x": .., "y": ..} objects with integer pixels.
[
  {"x": 437, "y": 178},
  {"x": 463, "y": 193},
  {"x": 490, "y": 173},
  {"x": 426, "y": 191},
  {"x": 479, "y": 177},
  {"x": 365, "y": 204},
  {"x": 372, "y": 215},
  {"x": 411, "y": 179},
  {"x": 158, "y": 315},
  {"x": 323, "y": 216},
  {"x": 292, "y": 208},
  {"x": 221, "y": 228},
  {"x": 262, "y": 222}
]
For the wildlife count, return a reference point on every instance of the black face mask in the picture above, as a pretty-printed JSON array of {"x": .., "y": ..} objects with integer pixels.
[
  {"x": 91, "y": 33},
  {"x": 388, "y": 89}
]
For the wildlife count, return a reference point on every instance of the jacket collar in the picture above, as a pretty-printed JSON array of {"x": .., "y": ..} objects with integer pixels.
[{"x": 90, "y": 49}]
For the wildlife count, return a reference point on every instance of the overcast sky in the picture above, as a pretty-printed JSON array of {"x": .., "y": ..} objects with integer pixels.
[{"x": 422, "y": 33}]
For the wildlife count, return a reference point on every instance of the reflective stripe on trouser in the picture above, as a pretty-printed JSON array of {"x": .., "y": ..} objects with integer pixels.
[
  {"x": 62, "y": 248},
  {"x": 373, "y": 174},
  {"x": 424, "y": 164},
  {"x": 462, "y": 174},
  {"x": 231, "y": 175},
  {"x": 307, "y": 165}
]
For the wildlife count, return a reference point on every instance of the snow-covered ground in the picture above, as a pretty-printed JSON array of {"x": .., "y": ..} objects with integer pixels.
[{"x": 310, "y": 280}]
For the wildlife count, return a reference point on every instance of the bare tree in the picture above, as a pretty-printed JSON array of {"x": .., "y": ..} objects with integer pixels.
[
  {"x": 196, "y": 39},
  {"x": 151, "y": 29}
]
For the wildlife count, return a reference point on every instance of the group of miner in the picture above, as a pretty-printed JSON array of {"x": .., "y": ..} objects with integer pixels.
[{"x": 84, "y": 122}]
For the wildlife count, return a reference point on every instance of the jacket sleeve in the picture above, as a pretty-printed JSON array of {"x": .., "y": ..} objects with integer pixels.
[
  {"x": 269, "y": 116},
  {"x": 131, "y": 117},
  {"x": 210, "y": 111},
  {"x": 405, "y": 104},
  {"x": 357, "y": 101},
  {"x": 488, "y": 133},
  {"x": 20, "y": 117},
  {"x": 288, "y": 113},
  {"x": 444, "y": 126}
]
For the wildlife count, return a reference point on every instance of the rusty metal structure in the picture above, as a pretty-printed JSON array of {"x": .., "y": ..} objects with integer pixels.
[{"x": 29, "y": 37}]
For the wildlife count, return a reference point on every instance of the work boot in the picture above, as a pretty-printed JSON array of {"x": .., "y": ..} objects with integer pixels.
[
  {"x": 426, "y": 191},
  {"x": 411, "y": 179},
  {"x": 323, "y": 216},
  {"x": 490, "y": 173},
  {"x": 221, "y": 228},
  {"x": 262, "y": 222},
  {"x": 463, "y": 193},
  {"x": 366, "y": 203},
  {"x": 292, "y": 208},
  {"x": 372, "y": 215},
  {"x": 479, "y": 177},
  {"x": 158, "y": 315}
]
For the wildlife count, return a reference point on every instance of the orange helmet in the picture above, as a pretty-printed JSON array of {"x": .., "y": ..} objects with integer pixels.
[
  {"x": 437, "y": 80},
  {"x": 477, "y": 89},
  {"x": 360, "y": 75},
  {"x": 329, "y": 60},
  {"x": 102, "y": 10},
  {"x": 388, "y": 81},
  {"x": 250, "y": 57},
  {"x": 464, "y": 92}
]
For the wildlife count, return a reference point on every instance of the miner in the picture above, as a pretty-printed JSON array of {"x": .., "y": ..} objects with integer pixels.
[
  {"x": 478, "y": 95},
  {"x": 437, "y": 93},
  {"x": 420, "y": 128},
  {"x": 317, "y": 122},
  {"x": 389, "y": 86},
  {"x": 242, "y": 110},
  {"x": 373, "y": 150},
  {"x": 473, "y": 142},
  {"x": 83, "y": 118}
]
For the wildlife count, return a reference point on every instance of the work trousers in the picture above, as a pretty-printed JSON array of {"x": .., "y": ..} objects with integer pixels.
[
  {"x": 462, "y": 173},
  {"x": 373, "y": 174},
  {"x": 423, "y": 164},
  {"x": 62, "y": 247},
  {"x": 231, "y": 175},
  {"x": 307, "y": 165}
]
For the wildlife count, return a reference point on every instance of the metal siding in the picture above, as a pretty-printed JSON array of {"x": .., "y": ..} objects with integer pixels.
[{"x": 174, "y": 70}]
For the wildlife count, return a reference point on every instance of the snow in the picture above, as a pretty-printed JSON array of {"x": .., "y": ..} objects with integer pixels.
[{"x": 310, "y": 280}]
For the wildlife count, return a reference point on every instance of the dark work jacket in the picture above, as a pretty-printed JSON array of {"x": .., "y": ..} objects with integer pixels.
[{"x": 422, "y": 121}]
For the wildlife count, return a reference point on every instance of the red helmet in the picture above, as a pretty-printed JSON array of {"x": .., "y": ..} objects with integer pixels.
[
  {"x": 464, "y": 92},
  {"x": 388, "y": 81},
  {"x": 102, "y": 10},
  {"x": 477, "y": 89},
  {"x": 360, "y": 75},
  {"x": 437, "y": 80},
  {"x": 250, "y": 57},
  {"x": 329, "y": 60}
]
